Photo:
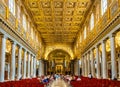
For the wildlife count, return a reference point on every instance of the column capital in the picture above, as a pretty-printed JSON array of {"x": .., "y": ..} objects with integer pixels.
[
  {"x": 91, "y": 51},
  {"x": 25, "y": 50},
  {"x": 103, "y": 41},
  {"x": 4, "y": 36},
  {"x": 88, "y": 52},
  {"x": 20, "y": 47},
  {"x": 82, "y": 56},
  {"x": 112, "y": 35},
  {"x": 41, "y": 59},
  {"x": 97, "y": 45},
  {"x": 85, "y": 54},
  {"x": 34, "y": 56},
  {"x": 29, "y": 52},
  {"x": 13, "y": 42}
]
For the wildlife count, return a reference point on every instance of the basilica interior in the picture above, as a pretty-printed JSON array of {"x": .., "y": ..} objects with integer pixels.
[{"x": 66, "y": 37}]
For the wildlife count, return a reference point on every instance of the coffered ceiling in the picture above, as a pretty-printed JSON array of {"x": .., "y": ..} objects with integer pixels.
[{"x": 58, "y": 21}]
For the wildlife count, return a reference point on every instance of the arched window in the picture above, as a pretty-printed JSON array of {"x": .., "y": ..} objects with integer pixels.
[
  {"x": 80, "y": 38},
  {"x": 103, "y": 6},
  {"x": 12, "y": 6},
  {"x": 97, "y": 12},
  {"x": 85, "y": 32},
  {"x": 91, "y": 21},
  {"x": 24, "y": 22},
  {"x": 28, "y": 27},
  {"x": 32, "y": 32},
  {"x": 18, "y": 12},
  {"x": 37, "y": 38}
]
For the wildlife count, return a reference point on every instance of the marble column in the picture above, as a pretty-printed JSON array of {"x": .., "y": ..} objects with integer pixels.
[
  {"x": 8, "y": 71},
  {"x": 31, "y": 66},
  {"x": 86, "y": 67},
  {"x": 97, "y": 62},
  {"x": 83, "y": 67},
  {"x": 19, "y": 63},
  {"x": 92, "y": 64},
  {"x": 13, "y": 64},
  {"x": 39, "y": 68},
  {"x": 78, "y": 67},
  {"x": 88, "y": 60},
  {"x": 119, "y": 65},
  {"x": 28, "y": 71},
  {"x": 24, "y": 63},
  {"x": 2, "y": 58},
  {"x": 45, "y": 67},
  {"x": 42, "y": 67},
  {"x": 104, "y": 61},
  {"x": 113, "y": 56},
  {"x": 34, "y": 72},
  {"x": 72, "y": 67}
]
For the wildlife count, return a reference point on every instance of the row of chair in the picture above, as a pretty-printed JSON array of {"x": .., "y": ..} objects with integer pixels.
[
  {"x": 34, "y": 82},
  {"x": 94, "y": 82}
]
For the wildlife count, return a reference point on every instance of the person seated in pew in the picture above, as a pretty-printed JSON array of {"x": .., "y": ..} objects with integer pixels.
[
  {"x": 45, "y": 80},
  {"x": 90, "y": 75},
  {"x": 73, "y": 78},
  {"x": 78, "y": 79},
  {"x": 114, "y": 78},
  {"x": 21, "y": 77},
  {"x": 40, "y": 79}
]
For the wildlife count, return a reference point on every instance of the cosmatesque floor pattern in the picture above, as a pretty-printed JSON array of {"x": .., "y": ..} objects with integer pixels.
[{"x": 59, "y": 83}]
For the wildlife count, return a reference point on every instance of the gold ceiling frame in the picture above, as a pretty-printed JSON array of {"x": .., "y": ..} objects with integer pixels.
[{"x": 56, "y": 15}]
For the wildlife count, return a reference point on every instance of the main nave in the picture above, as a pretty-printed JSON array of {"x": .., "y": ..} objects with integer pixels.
[
  {"x": 58, "y": 83},
  {"x": 75, "y": 39}
]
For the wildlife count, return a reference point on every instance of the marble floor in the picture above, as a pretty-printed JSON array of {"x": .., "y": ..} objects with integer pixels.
[{"x": 59, "y": 83}]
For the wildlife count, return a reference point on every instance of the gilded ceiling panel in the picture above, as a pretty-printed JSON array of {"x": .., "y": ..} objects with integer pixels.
[{"x": 58, "y": 20}]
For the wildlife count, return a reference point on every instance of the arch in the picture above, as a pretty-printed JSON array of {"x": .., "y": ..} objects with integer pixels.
[
  {"x": 66, "y": 48},
  {"x": 58, "y": 53}
]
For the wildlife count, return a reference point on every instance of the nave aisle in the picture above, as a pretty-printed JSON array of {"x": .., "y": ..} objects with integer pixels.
[{"x": 58, "y": 83}]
